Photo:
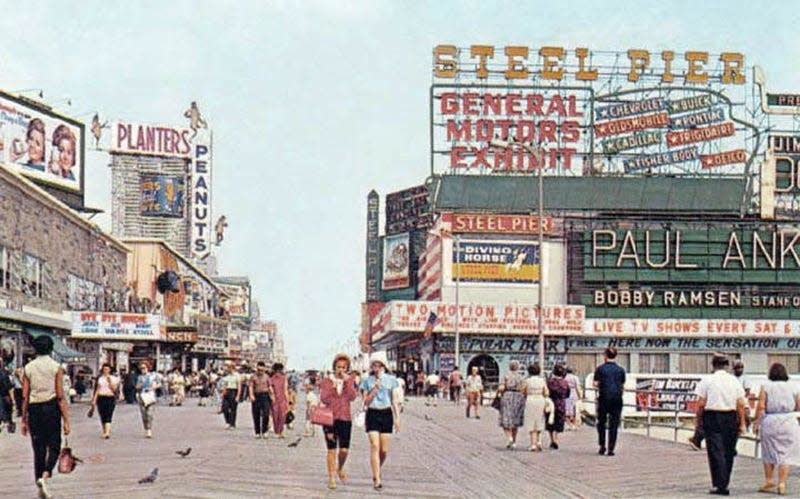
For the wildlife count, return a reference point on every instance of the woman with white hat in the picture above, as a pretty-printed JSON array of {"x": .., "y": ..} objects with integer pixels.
[{"x": 382, "y": 412}]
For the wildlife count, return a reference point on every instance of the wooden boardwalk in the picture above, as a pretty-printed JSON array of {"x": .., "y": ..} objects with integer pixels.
[{"x": 438, "y": 454}]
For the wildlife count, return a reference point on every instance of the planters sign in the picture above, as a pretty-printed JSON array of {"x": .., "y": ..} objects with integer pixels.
[{"x": 137, "y": 138}]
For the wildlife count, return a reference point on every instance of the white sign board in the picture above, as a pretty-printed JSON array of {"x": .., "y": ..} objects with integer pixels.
[{"x": 115, "y": 326}]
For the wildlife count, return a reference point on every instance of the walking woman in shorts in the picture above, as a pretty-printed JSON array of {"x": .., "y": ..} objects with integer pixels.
[
  {"x": 337, "y": 392},
  {"x": 104, "y": 398},
  {"x": 382, "y": 412},
  {"x": 43, "y": 407}
]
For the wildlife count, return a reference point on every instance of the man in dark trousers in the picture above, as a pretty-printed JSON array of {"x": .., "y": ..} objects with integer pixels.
[
  {"x": 720, "y": 407},
  {"x": 609, "y": 380}
]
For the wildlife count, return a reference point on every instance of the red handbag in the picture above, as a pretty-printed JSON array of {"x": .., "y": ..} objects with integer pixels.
[
  {"x": 66, "y": 461},
  {"x": 322, "y": 415}
]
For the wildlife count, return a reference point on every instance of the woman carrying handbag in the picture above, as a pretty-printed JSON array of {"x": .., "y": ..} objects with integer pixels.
[
  {"x": 337, "y": 392},
  {"x": 104, "y": 398},
  {"x": 44, "y": 406}
]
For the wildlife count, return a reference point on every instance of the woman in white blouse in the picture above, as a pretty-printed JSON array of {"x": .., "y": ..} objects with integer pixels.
[{"x": 104, "y": 398}]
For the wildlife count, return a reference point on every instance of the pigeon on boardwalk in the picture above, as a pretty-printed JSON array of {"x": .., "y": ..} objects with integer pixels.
[
  {"x": 294, "y": 444},
  {"x": 151, "y": 477},
  {"x": 184, "y": 453}
]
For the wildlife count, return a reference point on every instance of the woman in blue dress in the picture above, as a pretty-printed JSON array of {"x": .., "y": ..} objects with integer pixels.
[{"x": 778, "y": 428}]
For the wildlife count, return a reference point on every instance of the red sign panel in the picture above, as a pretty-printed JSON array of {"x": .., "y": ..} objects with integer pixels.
[
  {"x": 486, "y": 223},
  {"x": 723, "y": 158},
  {"x": 701, "y": 134}
]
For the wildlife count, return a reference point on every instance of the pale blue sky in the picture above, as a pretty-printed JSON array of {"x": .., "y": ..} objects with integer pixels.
[{"x": 314, "y": 103}]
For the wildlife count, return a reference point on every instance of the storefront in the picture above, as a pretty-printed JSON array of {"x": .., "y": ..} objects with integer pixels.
[
  {"x": 120, "y": 339},
  {"x": 178, "y": 346}
]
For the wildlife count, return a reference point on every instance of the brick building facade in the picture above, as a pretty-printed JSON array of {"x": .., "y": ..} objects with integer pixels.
[{"x": 51, "y": 260}]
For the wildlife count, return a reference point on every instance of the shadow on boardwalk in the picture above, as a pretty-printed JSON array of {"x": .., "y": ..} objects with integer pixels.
[{"x": 437, "y": 454}]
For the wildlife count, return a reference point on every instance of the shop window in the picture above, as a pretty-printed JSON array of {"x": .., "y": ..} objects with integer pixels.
[
  {"x": 790, "y": 360},
  {"x": 583, "y": 363},
  {"x": 654, "y": 363},
  {"x": 695, "y": 363},
  {"x": 31, "y": 275},
  {"x": 83, "y": 294}
]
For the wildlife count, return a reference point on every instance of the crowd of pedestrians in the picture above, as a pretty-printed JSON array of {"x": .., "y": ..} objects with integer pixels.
[{"x": 38, "y": 395}]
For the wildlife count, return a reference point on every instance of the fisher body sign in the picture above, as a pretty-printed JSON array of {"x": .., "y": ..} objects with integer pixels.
[{"x": 115, "y": 326}]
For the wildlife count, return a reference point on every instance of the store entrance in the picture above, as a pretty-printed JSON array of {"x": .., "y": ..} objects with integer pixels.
[{"x": 488, "y": 369}]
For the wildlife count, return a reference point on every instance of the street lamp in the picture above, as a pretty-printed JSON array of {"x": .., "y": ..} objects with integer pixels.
[{"x": 537, "y": 153}]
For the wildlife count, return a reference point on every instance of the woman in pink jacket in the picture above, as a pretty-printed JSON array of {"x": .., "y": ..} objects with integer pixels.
[
  {"x": 280, "y": 406},
  {"x": 337, "y": 392}
]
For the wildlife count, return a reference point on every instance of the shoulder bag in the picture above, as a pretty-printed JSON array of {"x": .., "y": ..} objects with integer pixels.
[
  {"x": 147, "y": 398},
  {"x": 361, "y": 418},
  {"x": 322, "y": 415}
]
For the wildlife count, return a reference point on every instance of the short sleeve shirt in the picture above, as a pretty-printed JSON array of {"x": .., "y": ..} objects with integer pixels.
[
  {"x": 610, "y": 378},
  {"x": 721, "y": 390},
  {"x": 383, "y": 400}
]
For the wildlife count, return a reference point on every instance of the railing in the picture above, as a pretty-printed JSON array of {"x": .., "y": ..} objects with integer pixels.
[{"x": 649, "y": 414}]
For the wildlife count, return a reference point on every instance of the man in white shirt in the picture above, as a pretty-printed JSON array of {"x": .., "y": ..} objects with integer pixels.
[
  {"x": 720, "y": 411},
  {"x": 433, "y": 388}
]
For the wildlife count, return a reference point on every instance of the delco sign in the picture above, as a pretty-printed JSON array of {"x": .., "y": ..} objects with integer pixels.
[{"x": 155, "y": 140}]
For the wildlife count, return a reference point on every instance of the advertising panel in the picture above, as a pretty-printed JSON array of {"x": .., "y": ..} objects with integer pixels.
[
  {"x": 782, "y": 169},
  {"x": 156, "y": 140},
  {"x": 496, "y": 262},
  {"x": 238, "y": 302},
  {"x": 396, "y": 260},
  {"x": 490, "y": 223},
  {"x": 41, "y": 144},
  {"x": 479, "y": 318},
  {"x": 115, "y": 326},
  {"x": 408, "y": 210},
  {"x": 574, "y": 111},
  {"x": 162, "y": 196},
  {"x": 200, "y": 203},
  {"x": 738, "y": 270},
  {"x": 758, "y": 332},
  {"x": 373, "y": 247}
]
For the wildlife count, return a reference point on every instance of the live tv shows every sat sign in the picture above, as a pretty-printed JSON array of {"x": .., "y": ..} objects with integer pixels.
[{"x": 43, "y": 145}]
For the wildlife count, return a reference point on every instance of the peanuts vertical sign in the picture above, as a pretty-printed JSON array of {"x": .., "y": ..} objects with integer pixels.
[{"x": 201, "y": 194}]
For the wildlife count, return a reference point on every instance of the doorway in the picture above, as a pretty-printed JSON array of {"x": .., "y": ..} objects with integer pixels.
[{"x": 488, "y": 369}]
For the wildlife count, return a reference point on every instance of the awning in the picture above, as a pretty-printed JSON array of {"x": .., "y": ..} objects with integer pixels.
[{"x": 61, "y": 352}]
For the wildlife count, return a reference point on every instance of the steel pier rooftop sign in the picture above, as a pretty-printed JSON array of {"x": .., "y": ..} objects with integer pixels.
[{"x": 580, "y": 112}]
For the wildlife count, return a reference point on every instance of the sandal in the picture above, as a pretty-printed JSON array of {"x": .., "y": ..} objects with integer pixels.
[
  {"x": 377, "y": 485},
  {"x": 768, "y": 487},
  {"x": 331, "y": 483},
  {"x": 342, "y": 476},
  {"x": 781, "y": 489}
]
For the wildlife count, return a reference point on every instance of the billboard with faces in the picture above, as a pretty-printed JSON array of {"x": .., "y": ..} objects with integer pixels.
[{"x": 40, "y": 144}]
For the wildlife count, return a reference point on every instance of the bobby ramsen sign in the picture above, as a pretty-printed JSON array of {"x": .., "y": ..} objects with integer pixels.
[{"x": 115, "y": 326}]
